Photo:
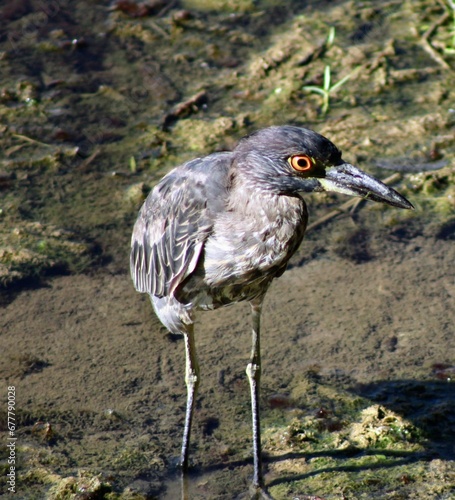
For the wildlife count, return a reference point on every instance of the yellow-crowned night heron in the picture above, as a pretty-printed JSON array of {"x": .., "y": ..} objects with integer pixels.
[{"x": 217, "y": 230}]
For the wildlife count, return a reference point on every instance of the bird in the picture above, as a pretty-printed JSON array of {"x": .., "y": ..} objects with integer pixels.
[{"x": 219, "y": 229}]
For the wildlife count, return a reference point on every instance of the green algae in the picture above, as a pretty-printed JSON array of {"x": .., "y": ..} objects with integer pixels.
[
  {"x": 59, "y": 194},
  {"x": 29, "y": 250}
]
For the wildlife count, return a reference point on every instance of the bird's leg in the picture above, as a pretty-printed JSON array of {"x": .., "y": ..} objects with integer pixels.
[
  {"x": 253, "y": 370},
  {"x": 192, "y": 384}
]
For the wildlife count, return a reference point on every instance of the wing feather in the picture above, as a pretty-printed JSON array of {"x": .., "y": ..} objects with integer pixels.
[{"x": 175, "y": 221}]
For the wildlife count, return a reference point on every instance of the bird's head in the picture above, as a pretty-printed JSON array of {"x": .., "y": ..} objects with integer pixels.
[{"x": 291, "y": 159}]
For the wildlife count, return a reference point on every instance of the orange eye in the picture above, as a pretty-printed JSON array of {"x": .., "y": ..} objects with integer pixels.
[{"x": 301, "y": 163}]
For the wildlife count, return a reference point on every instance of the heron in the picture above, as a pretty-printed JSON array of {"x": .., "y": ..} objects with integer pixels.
[{"x": 218, "y": 229}]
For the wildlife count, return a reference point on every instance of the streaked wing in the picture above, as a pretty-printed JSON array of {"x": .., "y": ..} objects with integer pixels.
[{"x": 175, "y": 221}]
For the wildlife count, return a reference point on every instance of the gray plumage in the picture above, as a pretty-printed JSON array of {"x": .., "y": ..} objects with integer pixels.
[{"x": 217, "y": 230}]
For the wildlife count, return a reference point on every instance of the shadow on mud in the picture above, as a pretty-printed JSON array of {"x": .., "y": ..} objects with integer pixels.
[{"x": 427, "y": 405}]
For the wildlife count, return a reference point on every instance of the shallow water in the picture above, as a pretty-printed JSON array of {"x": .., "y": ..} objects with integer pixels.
[{"x": 357, "y": 335}]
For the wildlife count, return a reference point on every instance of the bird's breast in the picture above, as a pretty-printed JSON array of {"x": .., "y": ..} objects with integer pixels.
[{"x": 250, "y": 244}]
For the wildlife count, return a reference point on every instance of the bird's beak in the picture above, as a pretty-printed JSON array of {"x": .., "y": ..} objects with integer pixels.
[{"x": 350, "y": 180}]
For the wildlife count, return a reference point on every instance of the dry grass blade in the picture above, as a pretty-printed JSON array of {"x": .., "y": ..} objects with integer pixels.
[{"x": 426, "y": 45}]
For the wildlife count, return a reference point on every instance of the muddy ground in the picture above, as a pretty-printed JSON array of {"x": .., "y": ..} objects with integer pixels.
[{"x": 97, "y": 101}]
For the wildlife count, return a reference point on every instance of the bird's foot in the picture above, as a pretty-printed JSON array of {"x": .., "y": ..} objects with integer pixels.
[{"x": 259, "y": 493}]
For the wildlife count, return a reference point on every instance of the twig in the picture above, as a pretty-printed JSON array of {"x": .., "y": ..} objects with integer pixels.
[
  {"x": 159, "y": 29},
  {"x": 166, "y": 8},
  {"x": 389, "y": 50},
  {"x": 319, "y": 50},
  {"x": 33, "y": 141},
  {"x": 426, "y": 45},
  {"x": 352, "y": 203},
  {"x": 185, "y": 108},
  {"x": 83, "y": 166}
]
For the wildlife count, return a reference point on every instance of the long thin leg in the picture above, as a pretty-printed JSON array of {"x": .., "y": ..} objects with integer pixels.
[
  {"x": 253, "y": 370},
  {"x": 192, "y": 384}
]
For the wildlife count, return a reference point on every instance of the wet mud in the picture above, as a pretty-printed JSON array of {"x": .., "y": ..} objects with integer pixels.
[{"x": 97, "y": 101}]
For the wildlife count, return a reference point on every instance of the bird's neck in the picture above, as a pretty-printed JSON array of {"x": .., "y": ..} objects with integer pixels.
[{"x": 255, "y": 202}]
